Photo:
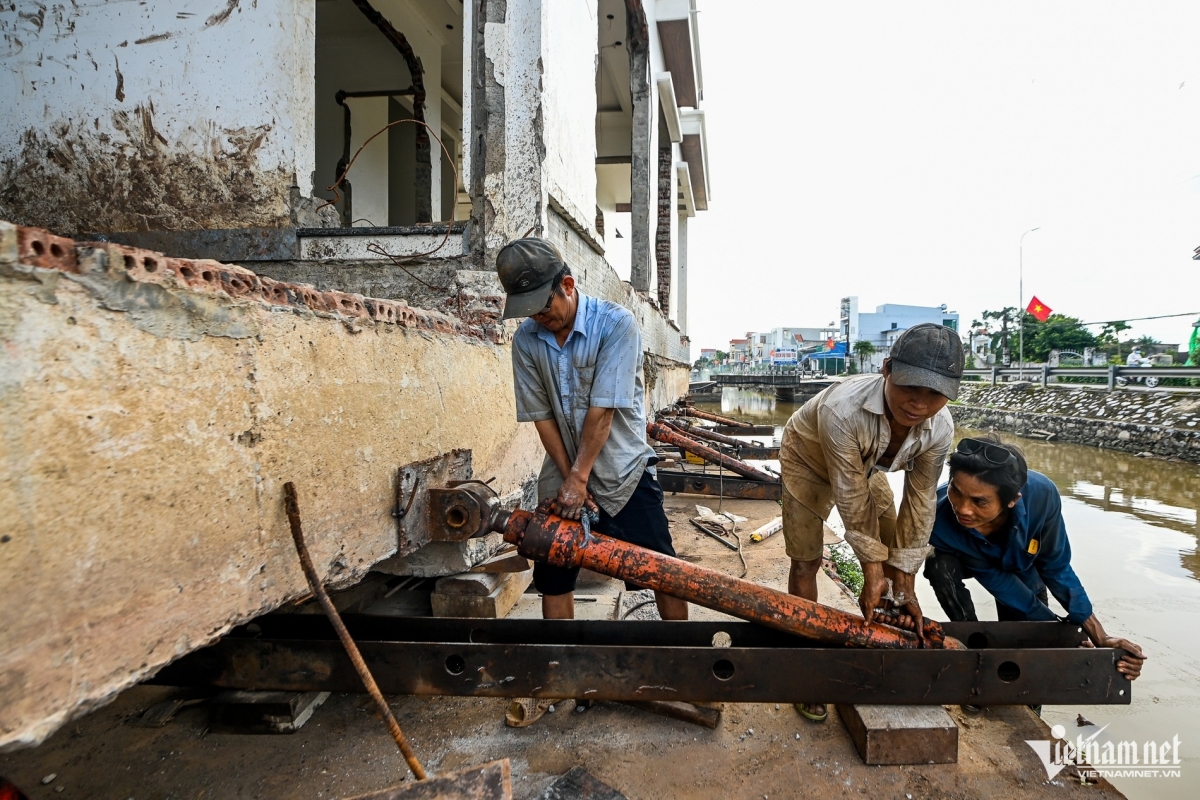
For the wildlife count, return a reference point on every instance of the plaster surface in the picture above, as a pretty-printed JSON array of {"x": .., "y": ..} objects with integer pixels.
[{"x": 144, "y": 455}]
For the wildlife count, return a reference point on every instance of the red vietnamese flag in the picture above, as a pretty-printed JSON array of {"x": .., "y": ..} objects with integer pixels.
[{"x": 1038, "y": 309}]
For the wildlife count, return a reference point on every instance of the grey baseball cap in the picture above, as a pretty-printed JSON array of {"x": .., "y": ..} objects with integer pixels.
[
  {"x": 526, "y": 268},
  {"x": 928, "y": 355}
]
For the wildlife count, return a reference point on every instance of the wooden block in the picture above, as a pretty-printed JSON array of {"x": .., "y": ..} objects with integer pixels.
[
  {"x": 492, "y": 781},
  {"x": 480, "y": 584},
  {"x": 901, "y": 734},
  {"x": 504, "y": 562},
  {"x": 495, "y": 605}
]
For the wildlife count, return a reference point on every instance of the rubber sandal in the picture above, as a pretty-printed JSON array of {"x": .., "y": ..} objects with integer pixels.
[
  {"x": 525, "y": 711},
  {"x": 804, "y": 712}
]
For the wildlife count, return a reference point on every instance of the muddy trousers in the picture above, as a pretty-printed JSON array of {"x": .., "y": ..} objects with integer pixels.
[{"x": 946, "y": 573}]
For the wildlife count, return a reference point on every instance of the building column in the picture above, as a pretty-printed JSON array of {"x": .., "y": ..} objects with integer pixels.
[
  {"x": 681, "y": 245},
  {"x": 640, "y": 169},
  {"x": 662, "y": 232}
]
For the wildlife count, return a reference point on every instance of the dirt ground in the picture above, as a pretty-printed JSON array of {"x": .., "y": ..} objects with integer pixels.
[{"x": 758, "y": 750}]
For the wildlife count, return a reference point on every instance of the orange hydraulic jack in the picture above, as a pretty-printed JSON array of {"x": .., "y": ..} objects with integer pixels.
[{"x": 543, "y": 536}]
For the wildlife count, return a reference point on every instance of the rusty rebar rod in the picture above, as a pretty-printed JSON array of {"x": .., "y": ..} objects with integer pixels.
[
  {"x": 688, "y": 411},
  {"x": 666, "y": 435},
  {"x": 292, "y": 505},
  {"x": 564, "y": 543},
  {"x": 697, "y": 432}
]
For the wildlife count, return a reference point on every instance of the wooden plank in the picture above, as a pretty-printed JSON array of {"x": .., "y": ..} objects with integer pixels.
[
  {"x": 479, "y": 584},
  {"x": 492, "y": 781},
  {"x": 901, "y": 734},
  {"x": 494, "y": 605},
  {"x": 510, "y": 561}
]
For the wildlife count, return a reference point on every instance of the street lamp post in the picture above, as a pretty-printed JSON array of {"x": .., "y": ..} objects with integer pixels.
[{"x": 1021, "y": 302}]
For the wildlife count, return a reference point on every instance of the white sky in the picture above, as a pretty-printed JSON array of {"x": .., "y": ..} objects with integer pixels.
[{"x": 898, "y": 150}]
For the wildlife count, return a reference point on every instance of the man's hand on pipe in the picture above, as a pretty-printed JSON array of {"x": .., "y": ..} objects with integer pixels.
[
  {"x": 572, "y": 496},
  {"x": 904, "y": 597},
  {"x": 874, "y": 588}
]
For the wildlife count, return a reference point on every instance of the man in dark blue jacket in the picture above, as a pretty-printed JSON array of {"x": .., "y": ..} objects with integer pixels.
[{"x": 1000, "y": 523}]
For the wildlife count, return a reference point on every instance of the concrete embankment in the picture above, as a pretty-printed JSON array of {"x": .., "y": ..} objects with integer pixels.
[{"x": 1162, "y": 423}]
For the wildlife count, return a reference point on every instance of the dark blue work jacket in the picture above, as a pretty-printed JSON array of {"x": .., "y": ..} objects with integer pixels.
[{"x": 1015, "y": 563}]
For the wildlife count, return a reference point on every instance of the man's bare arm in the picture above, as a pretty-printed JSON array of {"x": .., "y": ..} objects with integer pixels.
[
  {"x": 552, "y": 440},
  {"x": 573, "y": 494}
]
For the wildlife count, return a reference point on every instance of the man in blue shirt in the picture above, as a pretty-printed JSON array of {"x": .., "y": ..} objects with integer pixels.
[
  {"x": 1001, "y": 523},
  {"x": 577, "y": 372}
]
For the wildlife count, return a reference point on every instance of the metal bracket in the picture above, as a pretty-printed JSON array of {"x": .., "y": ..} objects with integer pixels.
[{"x": 415, "y": 486}]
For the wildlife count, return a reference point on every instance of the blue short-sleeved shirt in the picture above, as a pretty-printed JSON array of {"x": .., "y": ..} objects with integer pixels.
[
  {"x": 599, "y": 366},
  {"x": 1013, "y": 564}
]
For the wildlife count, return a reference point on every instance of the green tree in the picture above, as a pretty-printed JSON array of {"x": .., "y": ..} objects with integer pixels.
[
  {"x": 720, "y": 357},
  {"x": 1001, "y": 325},
  {"x": 1058, "y": 332},
  {"x": 864, "y": 350},
  {"x": 702, "y": 363}
]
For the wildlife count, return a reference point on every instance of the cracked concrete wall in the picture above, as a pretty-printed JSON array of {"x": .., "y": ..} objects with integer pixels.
[
  {"x": 147, "y": 430},
  {"x": 149, "y": 116}
]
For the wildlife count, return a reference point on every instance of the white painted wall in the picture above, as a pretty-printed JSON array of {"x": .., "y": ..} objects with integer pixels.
[
  {"x": 569, "y": 105},
  {"x": 369, "y": 175},
  {"x": 427, "y": 43},
  {"x": 73, "y": 65}
]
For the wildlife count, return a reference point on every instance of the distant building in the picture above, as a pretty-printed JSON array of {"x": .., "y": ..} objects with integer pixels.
[{"x": 883, "y": 326}]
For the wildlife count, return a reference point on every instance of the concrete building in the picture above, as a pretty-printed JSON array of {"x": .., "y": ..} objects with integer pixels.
[
  {"x": 153, "y": 406},
  {"x": 756, "y": 347},
  {"x": 885, "y": 324}
]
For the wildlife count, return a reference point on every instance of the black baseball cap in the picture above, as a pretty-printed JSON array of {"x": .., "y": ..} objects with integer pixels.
[
  {"x": 928, "y": 355},
  {"x": 526, "y": 268}
]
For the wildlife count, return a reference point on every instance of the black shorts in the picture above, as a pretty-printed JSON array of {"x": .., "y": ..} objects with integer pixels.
[{"x": 642, "y": 522}]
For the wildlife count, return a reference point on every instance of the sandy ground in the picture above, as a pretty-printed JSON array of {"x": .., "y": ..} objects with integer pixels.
[{"x": 758, "y": 751}]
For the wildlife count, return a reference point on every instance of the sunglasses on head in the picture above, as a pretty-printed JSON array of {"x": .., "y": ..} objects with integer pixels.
[{"x": 992, "y": 453}]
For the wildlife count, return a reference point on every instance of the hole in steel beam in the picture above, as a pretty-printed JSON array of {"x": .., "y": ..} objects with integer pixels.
[
  {"x": 723, "y": 669},
  {"x": 55, "y": 250},
  {"x": 478, "y": 636},
  {"x": 455, "y": 664},
  {"x": 977, "y": 641},
  {"x": 37, "y": 247},
  {"x": 722, "y": 639},
  {"x": 1008, "y": 671},
  {"x": 456, "y": 516},
  {"x": 150, "y": 264}
]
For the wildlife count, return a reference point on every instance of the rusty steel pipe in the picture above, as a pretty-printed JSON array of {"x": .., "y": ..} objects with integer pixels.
[
  {"x": 688, "y": 411},
  {"x": 700, "y": 433},
  {"x": 666, "y": 435},
  {"x": 564, "y": 543}
]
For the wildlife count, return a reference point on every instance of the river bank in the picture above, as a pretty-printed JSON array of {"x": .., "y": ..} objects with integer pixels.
[{"x": 1160, "y": 423}]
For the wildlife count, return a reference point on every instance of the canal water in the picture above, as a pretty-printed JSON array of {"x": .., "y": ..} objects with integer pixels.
[{"x": 1134, "y": 525}]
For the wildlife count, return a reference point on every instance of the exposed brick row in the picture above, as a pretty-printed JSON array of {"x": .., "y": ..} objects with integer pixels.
[{"x": 40, "y": 248}]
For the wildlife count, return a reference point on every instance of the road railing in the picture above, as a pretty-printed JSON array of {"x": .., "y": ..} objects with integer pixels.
[{"x": 1111, "y": 374}]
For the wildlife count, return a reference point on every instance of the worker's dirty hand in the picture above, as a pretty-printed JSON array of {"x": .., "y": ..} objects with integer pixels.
[
  {"x": 572, "y": 496},
  {"x": 1130, "y": 664},
  {"x": 874, "y": 588},
  {"x": 904, "y": 599}
]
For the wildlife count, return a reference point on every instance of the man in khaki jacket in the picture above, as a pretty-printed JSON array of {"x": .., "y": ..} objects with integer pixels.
[{"x": 835, "y": 451}]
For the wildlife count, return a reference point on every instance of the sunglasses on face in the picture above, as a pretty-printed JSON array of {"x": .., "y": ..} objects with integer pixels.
[
  {"x": 549, "y": 302},
  {"x": 993, "y": 454}
]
